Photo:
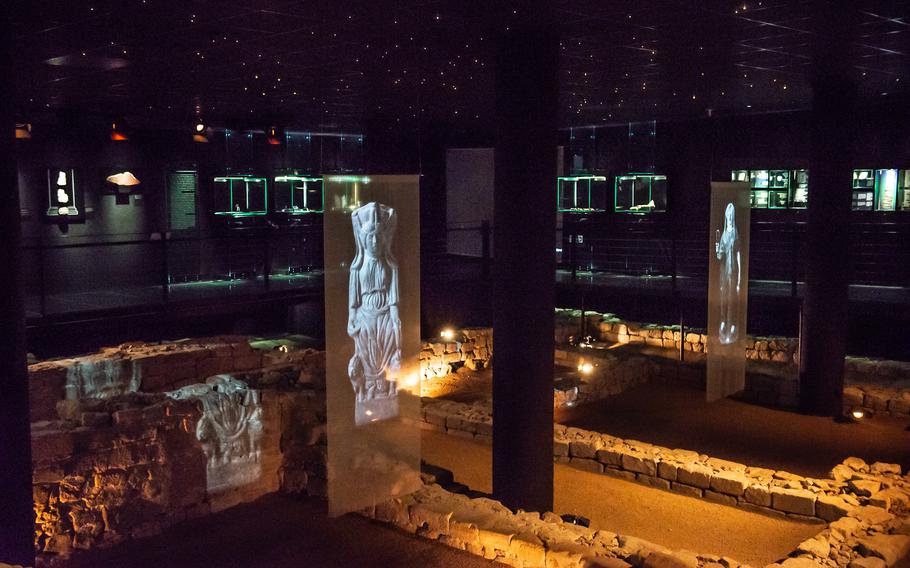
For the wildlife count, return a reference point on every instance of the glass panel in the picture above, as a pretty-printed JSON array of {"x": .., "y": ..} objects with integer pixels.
[
  {"x": 581, "y": 193},
  {"x": 758, "y": 179},
  {"x": 759, "y": 199},
  {"x": 885, "y": 190},
  {"x": 904, "y": 190},
  {"x": 372, "y": 307},
  {"x": 641, "y": 193},
  {"x": 100, "y": 276},
  {"x": 739, "y": 175},
  {"x": 800, "y": 188}
]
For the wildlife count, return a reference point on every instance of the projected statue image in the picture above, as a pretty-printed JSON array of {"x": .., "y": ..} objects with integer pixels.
[
  {"x": 373, "y": 319},
  {"x": 726, "y": 248}
]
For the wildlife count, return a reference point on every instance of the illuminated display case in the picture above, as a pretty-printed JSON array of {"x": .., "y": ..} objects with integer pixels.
[
  {"x": 582, "y": 193},
  {"x": 241, "y": 196},
  {"x": 863, "y": 190},
  {"x": 62, "y": 201},
  {"x": 640, "y": 193},
  {"x": 775, "y": 189},
  {"x": 778, "y": 189},
  {"x": 799, "y": 185},
  {"x": 298, "y": 194},
  {"x": 903, "y": 190},
  {"x": 886, "y": 190}
]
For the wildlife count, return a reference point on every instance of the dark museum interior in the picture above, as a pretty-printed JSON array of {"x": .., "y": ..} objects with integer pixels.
[{"x": 255, "y": 254}]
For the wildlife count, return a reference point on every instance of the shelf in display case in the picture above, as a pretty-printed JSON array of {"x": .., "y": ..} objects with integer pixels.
[
  {"x": 296, "y": 194},
  {"x": 241, "y": 196},
  {"x": 582, "y": 193},
  {"x": 640, "y": 193}
]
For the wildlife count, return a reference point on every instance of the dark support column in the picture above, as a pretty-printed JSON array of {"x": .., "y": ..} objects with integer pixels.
[
  {"x": 17, "y": 523},
  {"x": 824, "y": 323},
  {"x": 524, "y": 272}
]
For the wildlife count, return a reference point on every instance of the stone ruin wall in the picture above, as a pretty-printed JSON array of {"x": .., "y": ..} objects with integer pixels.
[
  {"x": 863, "y": 510},
  {"x": 213, "y": 423}
]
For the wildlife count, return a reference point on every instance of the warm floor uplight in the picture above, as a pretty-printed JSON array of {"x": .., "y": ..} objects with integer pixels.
[
  {"x": 448, "y": 334},
  {"x": 858, "y": 414},
  {"x": 585, "y": 368}
]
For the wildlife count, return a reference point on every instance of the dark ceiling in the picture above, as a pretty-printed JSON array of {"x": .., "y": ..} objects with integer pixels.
[{"x": 336, "y": 64}]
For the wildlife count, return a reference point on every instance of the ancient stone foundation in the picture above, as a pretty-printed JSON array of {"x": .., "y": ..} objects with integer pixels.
[{"x": 113, "y": 462}]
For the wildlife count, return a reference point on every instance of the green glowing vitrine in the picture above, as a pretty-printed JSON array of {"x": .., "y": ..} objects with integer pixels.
[
  {"x": 241, "y": 196},
  {"x": 640, "y": 193},
  {"x": 863, "y": 190},
  {"x": 296, "y": 194},
  {"x": 582, "y": 193}
]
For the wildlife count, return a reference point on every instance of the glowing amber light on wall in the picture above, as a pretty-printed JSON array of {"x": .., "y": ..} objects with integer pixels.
[{"x": 447, "y": 334}]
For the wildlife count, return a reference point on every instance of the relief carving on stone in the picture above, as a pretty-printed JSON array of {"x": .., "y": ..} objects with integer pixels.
[
  {"x": 230, "y": 430},
  {"x": 373, "y": 319}
]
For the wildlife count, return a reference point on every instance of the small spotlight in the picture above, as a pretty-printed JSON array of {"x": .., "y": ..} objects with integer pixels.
[
  {"x": 117, "y": 133},
  {"x": 858, "y": 414},
  {"x": 200, "y": 126},
  {"x": 283, "y": 348},
  {"x": 448, "y": 334},
  {"x": 585, "y": 368}
]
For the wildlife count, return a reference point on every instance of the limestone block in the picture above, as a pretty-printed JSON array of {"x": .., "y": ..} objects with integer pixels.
[
  {"x": 797, "y": 501},
  {"x": 560, "y": 448},
  {"x": 758, "y": 495},
  {"x": 584, "y": 448},
  {"x": 695, "y": 475},
  {"x": 717, "y": 463},
  {"x": 867, "y": 562},
  {"x": 619, "y": 474},
  {"x": 667, "y": 470},
  {"x": 429, "y": 522},
  {"x": 720, "y": 498},
  {"x": 863, "y": 487},
  {"x": 888, "y": 547},
  {"x": 639, "y": 463},
  {"x": 586, "y": 465},
  {"x": 527, "y": 552},
  {"x": 686, "y": 490},
  {"x": 815, "y": 547},
  {"x": 886, "y": 468},
  {"x": 655, "y": 482},
  {"x": 610, "y": 457},
  {"x": 831, "y": 507},
  {"x": 661, "y": 559},
  {"x": 799, "y": 562},
  {"x": 730, "y": 482}
]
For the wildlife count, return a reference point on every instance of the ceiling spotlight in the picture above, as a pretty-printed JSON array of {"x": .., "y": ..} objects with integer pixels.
[
  {"x": 200, "y": 131},
  {"x": 273, "y": 135},
  {"x": 23, "y": 131},
  {"x": 117, "y": 134},
  {"x": 448, "y": 334},
  {"x": 200, "y": 127}
]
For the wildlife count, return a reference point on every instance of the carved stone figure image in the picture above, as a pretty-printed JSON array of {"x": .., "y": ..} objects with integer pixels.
[
  {"x": 727, "y": 250},
  {"x": 373, "y": 320},
  {"x": 230, "y": 430}
]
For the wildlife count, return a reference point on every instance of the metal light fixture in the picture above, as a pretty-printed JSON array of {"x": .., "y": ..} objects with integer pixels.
[
  {"x": 117, "y": 133},
  {"x": 23, "y": 131},
  {"x": 200, "y": 131}
]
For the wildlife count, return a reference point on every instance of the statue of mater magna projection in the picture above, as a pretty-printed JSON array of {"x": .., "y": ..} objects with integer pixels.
[
  {"x": 727, "y": 250},
  {"x": 373, "y": 320}
]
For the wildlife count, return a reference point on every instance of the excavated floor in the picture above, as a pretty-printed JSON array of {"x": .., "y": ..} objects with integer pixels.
[{"x": 661, "y": 517}]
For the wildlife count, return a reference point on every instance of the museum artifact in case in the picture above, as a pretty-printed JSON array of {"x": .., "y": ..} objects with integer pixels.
[
  {"x": 583, "y": 193},
  {"x": 886, "y": 190},
  {"x": 778, "y": 189},
  {"x": 298, "y": 194},
  {"x": 799, "y": 185},
  {"x": 903, "y": 190},
  {"x": 61, "y": 194},
  {"x": 241, "y": 196},
  {"x": 863, "y": 190},
  {"x": 640, "y": 193}
]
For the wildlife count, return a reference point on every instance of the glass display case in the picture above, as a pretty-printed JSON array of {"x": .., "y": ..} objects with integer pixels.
[
  {"x": 640, "y": 193},
  {"x": 863, "y": 190},
  {"x": 740, "y": 175},
  {"x": 583, "y": 193},
  {"x": 799, "y": 186},
  {"x": 903, "y": 190},
  {"x": 61, "y": 194},
  {"x": 886, "y": 190},
  {"x": 241, "y": 196},
  {"x": 778, "y": 189},
  {"x": 298, "y": 194}
]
